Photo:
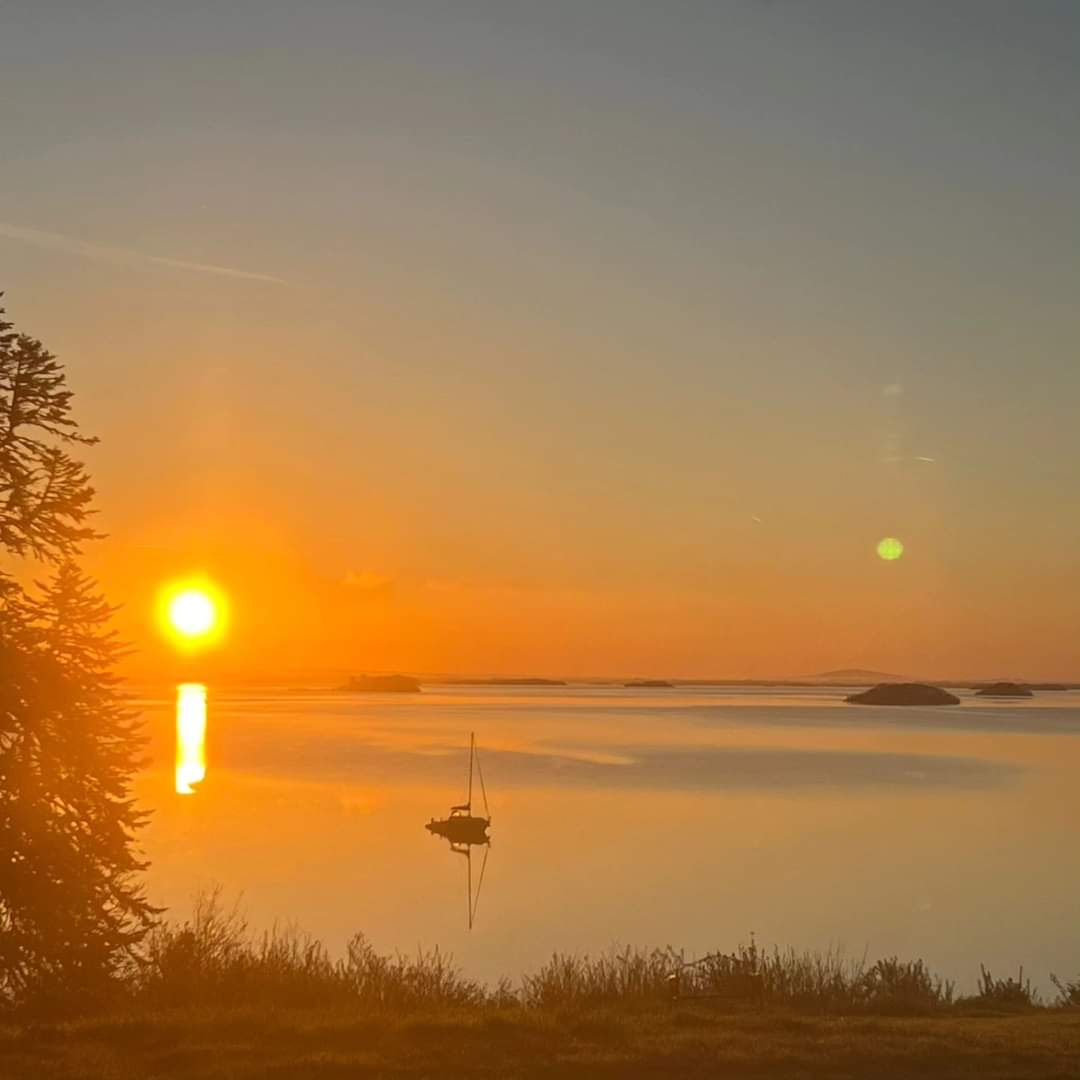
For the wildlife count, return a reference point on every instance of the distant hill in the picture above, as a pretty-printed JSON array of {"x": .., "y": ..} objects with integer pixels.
[
  {"x": 1004, "y": 689},
  {"x": 855, "y": 677},
  {"x": 506, "y": 682},
  {"x": 381, "y": 684}
]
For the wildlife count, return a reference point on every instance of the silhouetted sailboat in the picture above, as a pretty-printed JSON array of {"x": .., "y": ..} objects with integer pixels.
[{"x": 462, "y": 826}]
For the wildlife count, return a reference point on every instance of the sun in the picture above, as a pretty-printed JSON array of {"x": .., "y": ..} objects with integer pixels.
[{"x": 192, "y": 613}]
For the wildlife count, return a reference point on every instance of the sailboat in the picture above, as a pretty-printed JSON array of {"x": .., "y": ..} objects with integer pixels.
[{"x": 462, "y": 826}]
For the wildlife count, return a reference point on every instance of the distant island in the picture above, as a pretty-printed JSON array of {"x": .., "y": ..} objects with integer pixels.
[
  {"x": 650, "y": 684},
  {"x": 1004, "y": 689},
  {"x": 381, "y": 684},
  {"x": 903, "y": 694},
  {"x": 507, "y": 682},
  {"x": 854, "y": 676}
]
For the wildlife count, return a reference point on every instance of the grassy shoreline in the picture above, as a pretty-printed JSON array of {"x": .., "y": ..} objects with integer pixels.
[
  {"x": 658, "y": 1039},
  {"x": 207, "y": 1000}
]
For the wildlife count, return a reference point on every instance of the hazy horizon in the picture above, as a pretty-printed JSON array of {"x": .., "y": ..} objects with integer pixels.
[{"x": 331, "y": 678}]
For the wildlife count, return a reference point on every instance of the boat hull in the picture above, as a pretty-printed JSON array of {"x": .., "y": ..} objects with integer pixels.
[{"x": 461, "y": 829}]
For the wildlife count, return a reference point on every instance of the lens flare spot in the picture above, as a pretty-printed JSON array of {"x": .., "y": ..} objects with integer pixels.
[
  {"x": 890, "y": 549},
  {"x": 190, "y": 737}
]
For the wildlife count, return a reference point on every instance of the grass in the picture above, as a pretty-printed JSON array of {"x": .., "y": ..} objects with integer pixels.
[
  {"x": 208, "y": 999},
  {"x": 213, "y": 956},
  {"x": 687, "y": 1039}
]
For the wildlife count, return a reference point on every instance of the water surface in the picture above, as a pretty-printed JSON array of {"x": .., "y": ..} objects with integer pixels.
[{"x": 690, "y": 816}]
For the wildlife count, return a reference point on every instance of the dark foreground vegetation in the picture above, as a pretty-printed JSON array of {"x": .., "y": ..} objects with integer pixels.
[
  {"x": 207, "y": 999},
  {"x": 688, "y": 1039}
]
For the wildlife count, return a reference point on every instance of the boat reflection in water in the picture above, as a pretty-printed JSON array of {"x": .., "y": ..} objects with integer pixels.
[
  {"x": 472, "y": 898},
  {"x": 190, "y": 737},
  {"x": 464, "y": 831}
]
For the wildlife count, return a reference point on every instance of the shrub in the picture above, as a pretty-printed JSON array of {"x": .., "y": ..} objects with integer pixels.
[
  {"x": 211, "y": 958},
  {"x": 611, "y": 976},
  {"x": 823, "y": 982},
  {"x": 1068, "y": 991},
  {"x": 1006, "y": 993},
  {"x": 429, "y": 978},
  {"x": 898, "y": 986},
  {"x": 820, "y": 981}
]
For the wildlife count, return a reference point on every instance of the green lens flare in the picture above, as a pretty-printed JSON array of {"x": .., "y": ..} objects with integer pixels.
[{"x": 890, "y": 549}]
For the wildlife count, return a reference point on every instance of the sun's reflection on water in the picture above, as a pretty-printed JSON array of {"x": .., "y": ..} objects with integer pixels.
[{"x": 190, "y": 737}]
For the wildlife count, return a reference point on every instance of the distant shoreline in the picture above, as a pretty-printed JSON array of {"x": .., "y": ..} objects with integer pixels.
[{"x": 323, "y": 684}]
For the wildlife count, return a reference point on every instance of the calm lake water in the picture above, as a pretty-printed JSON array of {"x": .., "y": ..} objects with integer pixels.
[{"x": 690, "y": 817}]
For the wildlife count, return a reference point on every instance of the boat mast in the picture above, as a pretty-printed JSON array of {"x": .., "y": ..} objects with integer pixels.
[
  {"x": 472, "y": 754},
  {"x": 483, "y": 789}
]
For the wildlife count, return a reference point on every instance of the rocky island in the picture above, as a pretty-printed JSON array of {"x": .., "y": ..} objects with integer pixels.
[
  {"x": 1004, "y": 689},
  {"x": 650, "y": 684},
  {"x": 381, "y": 684},
  {"x": 903, "y": 694}
]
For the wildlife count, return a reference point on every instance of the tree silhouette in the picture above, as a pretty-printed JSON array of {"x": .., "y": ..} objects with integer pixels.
[
  {"x": 71, "y": 907},
  {"x": 45, "y": 494}
]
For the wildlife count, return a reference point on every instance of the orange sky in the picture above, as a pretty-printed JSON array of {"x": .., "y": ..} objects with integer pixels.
[{"x": 802, "y": 595}]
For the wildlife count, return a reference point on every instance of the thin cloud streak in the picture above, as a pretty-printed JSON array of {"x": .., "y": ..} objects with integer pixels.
[{"x": 58, "y": 242}]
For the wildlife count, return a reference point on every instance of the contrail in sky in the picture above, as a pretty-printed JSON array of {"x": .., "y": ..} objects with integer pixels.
[{"x": 57, "y": 242}]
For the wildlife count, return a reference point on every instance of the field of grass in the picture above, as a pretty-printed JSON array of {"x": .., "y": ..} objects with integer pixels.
[
  {"x": 207, "y": 1000},
  {"x": 668, "y": 1039}
]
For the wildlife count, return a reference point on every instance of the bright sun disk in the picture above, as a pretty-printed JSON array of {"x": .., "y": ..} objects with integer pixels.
[{"x": 192, "y": 613}]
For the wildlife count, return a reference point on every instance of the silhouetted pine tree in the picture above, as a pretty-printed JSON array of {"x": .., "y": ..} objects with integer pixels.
[
  {"x": 71, "y": 908},
  {"x": 45, "y": 494}
]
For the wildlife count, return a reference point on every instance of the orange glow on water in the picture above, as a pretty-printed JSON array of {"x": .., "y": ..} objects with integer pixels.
[{"x": 190, "y": 737}]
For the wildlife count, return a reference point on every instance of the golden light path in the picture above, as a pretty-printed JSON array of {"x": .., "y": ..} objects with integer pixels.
[
  {"x": 190, "y": 737},
  {"x": 193, "y": 614}
]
